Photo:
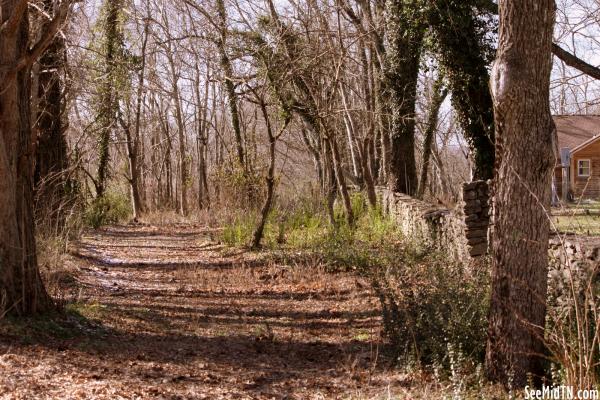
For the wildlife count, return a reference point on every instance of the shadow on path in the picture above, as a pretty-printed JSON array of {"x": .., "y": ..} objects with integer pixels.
[{"x": 175, "y": 317}]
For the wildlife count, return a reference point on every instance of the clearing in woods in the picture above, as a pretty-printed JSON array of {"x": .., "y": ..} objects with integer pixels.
[{"x": 166, "y": 312}]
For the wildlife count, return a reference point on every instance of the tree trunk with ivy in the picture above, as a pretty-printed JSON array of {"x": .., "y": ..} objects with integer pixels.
[
  {"x": 226, "y": 66},
  {"x": 405, "y": 36},
  {"x": 460, "y": 39},
  {"x": 107, "y": 103}
]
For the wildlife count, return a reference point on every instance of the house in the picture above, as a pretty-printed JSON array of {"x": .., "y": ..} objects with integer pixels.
[{"x": 577, "y": 174}]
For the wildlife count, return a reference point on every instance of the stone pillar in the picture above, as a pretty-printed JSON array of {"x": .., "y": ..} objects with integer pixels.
[{"x": 476, "y": 210}]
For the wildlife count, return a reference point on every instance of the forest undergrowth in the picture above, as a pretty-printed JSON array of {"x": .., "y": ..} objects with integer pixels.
[
  {"x": 434, "y": 311},
  {"x": 338, "y": 311},
  {"x": 166, "y": 308}
]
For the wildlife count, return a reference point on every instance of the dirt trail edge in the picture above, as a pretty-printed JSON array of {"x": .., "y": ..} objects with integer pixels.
[{"x": 167, "y": 313}]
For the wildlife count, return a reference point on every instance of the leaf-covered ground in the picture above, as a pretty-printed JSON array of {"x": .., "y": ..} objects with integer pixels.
[{"x": 168, "y": 313}]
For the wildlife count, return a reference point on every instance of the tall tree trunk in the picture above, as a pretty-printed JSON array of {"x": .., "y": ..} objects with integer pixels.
[
  {"x": 366, "y": 148},
  {"x": 21, "y": 289},
  {"x": 166, "y": 160},
  {"x": 439, "y": 95},
  {"x": 526, "y": 141},
  {"x": 351, "y": 137},
  {"x": 131, "y": 145},
  {"x": 227, "y": 68},
  {"x": 203, "y": 194},
  {"x": 51, "y": 150},
  {"x": 156, "y": 167},
  {"x": 183, "y": 164},
  {"x": 108, "y": 102},
  {"x": 202, "y": 138},
  {"x": 382, "y": 114},
  {"x": 330, "y": 182},
  {"x": 402, "y": 71},
  {"x": 133, "y": 138}
]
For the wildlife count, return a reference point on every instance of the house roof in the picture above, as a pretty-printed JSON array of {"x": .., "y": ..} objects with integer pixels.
[{"x": 575, "y": 130}]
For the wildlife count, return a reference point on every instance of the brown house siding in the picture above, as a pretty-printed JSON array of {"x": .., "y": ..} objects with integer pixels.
[{"x": 586, "y": 187}]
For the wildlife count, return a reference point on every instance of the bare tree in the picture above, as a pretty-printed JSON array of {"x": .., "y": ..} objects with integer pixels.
[
  {"x": 270, "y": 178},
  {"x": 437, "y": 98}
]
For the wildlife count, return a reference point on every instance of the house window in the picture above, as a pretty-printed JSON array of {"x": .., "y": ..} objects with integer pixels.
[{"x": 583, "y": 167}]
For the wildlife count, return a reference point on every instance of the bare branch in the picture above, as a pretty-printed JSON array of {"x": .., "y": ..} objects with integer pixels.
[
  {"x": 575, "y": 62},
  {"x": 49, "y": 32}
]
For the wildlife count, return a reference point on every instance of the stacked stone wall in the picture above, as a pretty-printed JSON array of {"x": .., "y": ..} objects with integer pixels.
[
  {"x": 475, "y": 210},
  {"x": 460, "y": 232}
]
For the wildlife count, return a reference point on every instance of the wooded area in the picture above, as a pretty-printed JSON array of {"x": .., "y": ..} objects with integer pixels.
[{"x": 190, "y": 187}]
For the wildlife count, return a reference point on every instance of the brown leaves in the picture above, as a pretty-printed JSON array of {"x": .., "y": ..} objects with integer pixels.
[{"x": 190, "y": 322}]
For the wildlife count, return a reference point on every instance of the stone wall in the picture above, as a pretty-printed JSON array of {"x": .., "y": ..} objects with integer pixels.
[
  {"x": 569, "y": 252},
  {"x": 475, "y": 210},
  {"x": 574, "y": 260},
  {"x": 460, "y": 232}
]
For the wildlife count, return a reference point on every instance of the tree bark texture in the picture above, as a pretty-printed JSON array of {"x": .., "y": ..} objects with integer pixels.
[
  {"x": 526, "y": 148},
  {"x": 21, "y": 289},
  {"x": 50, "y": 178}
]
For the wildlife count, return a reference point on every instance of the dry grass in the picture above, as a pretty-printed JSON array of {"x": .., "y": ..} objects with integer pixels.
[
  {"x": 580, "y": 218},
  {"x": 588, "y": 225}
]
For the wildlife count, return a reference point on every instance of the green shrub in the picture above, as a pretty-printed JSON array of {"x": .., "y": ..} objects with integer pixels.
[
  {"x": 377, "y": 228},
  {"x": 430, "y": 305},
  {"x": 297, "y": 226},
  {"x": 111, "y": 208},
  {"x": 359, "y": 204},
  {"x": 239, "y": 231},
  {"x": 302, "y": 231}
]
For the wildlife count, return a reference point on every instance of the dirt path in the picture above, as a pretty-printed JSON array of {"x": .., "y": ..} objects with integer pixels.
[{"x": 170, "y": 314}]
